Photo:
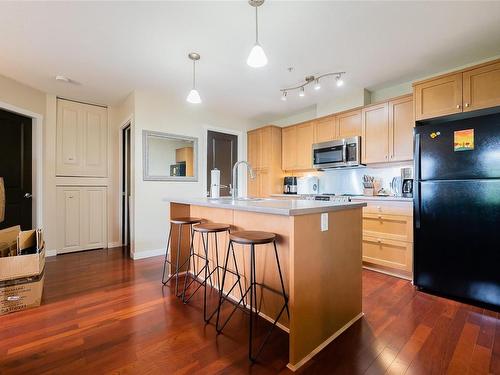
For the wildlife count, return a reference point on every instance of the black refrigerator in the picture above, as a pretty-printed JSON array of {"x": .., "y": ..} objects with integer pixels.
[{"x": 457, "y": 209}]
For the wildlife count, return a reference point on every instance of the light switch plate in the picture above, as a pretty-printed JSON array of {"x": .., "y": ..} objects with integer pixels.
[{"x": 324, "y": 222}]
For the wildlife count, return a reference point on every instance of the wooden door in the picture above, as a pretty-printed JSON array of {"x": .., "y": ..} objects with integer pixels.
[
  {"x": 69, "y": 134},
  {"x": 254, "y": 148},
  {"x": 438, "y": 97},
  {"x": 375, "y": 136},
  {"x": 324, "y": 129},
  {"x": 482, "y": 87},
  {"x": 69, "y": 205},
  {"x": 289, "y": 148},
  {"x": 222, "y": 153},
  {"x": 401, "y": 124},
  {"x": 349, "y": 124},
  {"x": 94, "y": 230},
  {"x": 95, "y": 138},
  {"x": 305, "y": 140},
  {"x": 15, "y": 171}
]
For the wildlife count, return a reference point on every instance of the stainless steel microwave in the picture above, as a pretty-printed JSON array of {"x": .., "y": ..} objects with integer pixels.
[{"x": 344, "y": 152}]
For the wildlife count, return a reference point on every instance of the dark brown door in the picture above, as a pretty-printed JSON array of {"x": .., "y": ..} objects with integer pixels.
[
  {"x": 222, "y": 153},
  {"x": 15, "y": 169}
]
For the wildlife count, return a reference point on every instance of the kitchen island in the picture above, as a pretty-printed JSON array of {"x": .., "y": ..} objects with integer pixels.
[{"x": 319, "y": 246}]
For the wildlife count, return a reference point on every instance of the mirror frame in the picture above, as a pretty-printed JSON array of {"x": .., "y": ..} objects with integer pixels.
[{"x": 145, "y": 159}]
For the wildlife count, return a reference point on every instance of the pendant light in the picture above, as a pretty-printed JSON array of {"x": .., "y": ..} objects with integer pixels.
[
  {"x": 257, "y": 57},
  {"x": 194, "y": 96}
]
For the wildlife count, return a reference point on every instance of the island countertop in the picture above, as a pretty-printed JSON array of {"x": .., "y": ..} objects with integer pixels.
[{"x": 270, "y": 206}]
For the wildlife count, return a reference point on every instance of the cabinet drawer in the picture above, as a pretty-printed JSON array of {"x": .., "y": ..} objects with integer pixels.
[
  {"x": 394, "y": 227},
  {"x": 388, "y": 253},
  {"x": 389, "y": 208}
]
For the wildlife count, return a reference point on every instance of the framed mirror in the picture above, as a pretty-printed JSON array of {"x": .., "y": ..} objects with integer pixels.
[{"x": 169, "y": 157}]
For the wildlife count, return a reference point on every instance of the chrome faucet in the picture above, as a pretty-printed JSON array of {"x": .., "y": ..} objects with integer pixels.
[{"x": 234, "y": 190}]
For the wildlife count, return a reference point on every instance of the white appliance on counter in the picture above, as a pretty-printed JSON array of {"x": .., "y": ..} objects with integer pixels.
[{"x": 308, "y": 185}]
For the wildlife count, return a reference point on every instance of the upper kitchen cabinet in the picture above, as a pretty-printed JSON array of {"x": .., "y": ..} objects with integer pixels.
[
  {"x": 375, "y": 138},
  {"x": 297, "y": 146},
  {"x": 82, "y": 139},
  {"x": 348, "y": 124},
  {"x": 264, "y": 155},
  {"x": 438, "y": 97},
  {"x": 463, "y": 91},
  {"x": 481, "y": 87},
  {"x": 324, "y": 129},
  {"x": 401, "y": 124},
  {"x": 289, "y": 146}
]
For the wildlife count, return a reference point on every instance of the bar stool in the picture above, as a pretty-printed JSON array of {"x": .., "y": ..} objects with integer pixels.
[
  {"x": 252, "y": 238},
  {"x": 180, "y": 222},
  {"x": 205, "y": 229}
]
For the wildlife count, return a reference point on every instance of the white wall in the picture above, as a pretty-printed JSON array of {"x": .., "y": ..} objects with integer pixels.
[{"x": 160, "y": 112}]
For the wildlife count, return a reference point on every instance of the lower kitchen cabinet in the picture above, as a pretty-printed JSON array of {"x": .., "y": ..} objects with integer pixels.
[
  {"x": 393, "y": 255},
  {"x": 81, "y": 218}
]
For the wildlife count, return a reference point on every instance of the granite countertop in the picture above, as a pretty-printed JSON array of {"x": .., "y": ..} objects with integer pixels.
[
  {"x": 353, "y": 197},
  {"x": 284, "y": 207}
]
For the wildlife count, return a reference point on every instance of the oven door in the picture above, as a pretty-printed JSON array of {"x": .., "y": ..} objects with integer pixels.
[{"x": 329, "y": 154}]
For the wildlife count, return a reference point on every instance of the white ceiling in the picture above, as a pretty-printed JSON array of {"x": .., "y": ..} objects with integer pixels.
[{"x": 112, "y": 48}]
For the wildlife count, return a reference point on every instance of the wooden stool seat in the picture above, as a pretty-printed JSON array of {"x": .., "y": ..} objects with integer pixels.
[
  {"x": 211, "y": 227},
  {"x": 252, "y": 237},
  {"x": 185, "y": 220}
]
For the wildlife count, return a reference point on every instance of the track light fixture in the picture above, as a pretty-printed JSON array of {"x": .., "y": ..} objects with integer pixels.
[{"x": 317, "y": 84}]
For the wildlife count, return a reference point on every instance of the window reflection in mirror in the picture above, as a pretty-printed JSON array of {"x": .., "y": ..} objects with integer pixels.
[{"x": 169, "y": 157}]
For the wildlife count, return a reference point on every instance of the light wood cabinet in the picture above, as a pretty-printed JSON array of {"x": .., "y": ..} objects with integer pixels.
[
  {"x": 401, "y": 124},
  {"x": 289, "y": 146},
  {"x": 305, "y": 140},
  {"x": 81, "y": 218},
  {"x": 438, "y": 97},
  {"x": 375, "y": 134},
  {"x": 466, "y": 90},
  {"x": 324, "y": 129},
  {"x": 264, "y": 155},
  {"x": 481, "y": 87},
  {"x": 394, "y": 255},
  {"x": 185, "y": 154},
  {"x": 82, "y": 140},
  {"x": 348, "y": 124}
]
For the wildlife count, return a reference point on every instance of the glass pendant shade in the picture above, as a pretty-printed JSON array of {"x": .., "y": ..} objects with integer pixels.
[
  {"x": 257, "y": 57},
  {"x": 194, "y": 97}
]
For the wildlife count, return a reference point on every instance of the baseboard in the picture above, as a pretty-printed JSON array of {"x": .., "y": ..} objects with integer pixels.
[
  {"x": 321, "y": 346},
  {"x": 114, "y": 244},
  {"x": 148, "y": 254},
  {"x": 50, "y": 253}
]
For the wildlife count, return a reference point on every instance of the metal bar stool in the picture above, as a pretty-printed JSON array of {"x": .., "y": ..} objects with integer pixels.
[
  {"x": 180, "y": 222},
  {"x": 205, "y": 229},
  {"x": 252, "y": 238}
]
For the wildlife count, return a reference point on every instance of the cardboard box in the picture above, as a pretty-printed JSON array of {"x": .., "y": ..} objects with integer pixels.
[
  {"x": 22, "y": 266},
  {"x": 21, "y": 294}
]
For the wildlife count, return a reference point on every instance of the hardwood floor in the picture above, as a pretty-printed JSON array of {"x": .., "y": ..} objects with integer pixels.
[{"x": 103, "y": 313}]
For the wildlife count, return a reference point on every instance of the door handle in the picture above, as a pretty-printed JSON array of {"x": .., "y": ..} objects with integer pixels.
[
  {"x": 28, "y": 195},
  {"x": 416, "y": 188}
]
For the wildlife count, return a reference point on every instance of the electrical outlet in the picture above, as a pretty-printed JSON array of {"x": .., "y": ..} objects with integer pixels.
[{"x": 324, "y": 222}]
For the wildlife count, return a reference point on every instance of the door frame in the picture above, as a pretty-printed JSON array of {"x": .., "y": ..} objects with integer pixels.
[
  {"x": 37, "y": 166},
  {"x": 241, "y": 154},
  {"x": 129, "y": 121}
]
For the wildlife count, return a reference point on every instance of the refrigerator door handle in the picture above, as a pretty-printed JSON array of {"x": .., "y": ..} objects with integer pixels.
[{"x": 416, "y": 188}]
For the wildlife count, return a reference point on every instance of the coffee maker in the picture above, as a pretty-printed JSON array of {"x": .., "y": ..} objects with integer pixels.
[
  {"x": 407, "y": 182},
  {"x": 290, "y": 185}
]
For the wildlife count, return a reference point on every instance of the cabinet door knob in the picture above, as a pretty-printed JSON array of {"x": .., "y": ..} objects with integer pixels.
[
  {"x": 380, "y": 216},
  {"x": 379, "y": 240},
  {"x": 466, "y": 105},
  {"x": 458, "y": 106}
]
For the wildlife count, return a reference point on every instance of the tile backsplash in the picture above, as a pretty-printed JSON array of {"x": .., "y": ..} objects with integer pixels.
[{"x": 349, "y": 181}]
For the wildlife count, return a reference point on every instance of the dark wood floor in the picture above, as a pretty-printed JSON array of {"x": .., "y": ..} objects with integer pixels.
[{"x": 103, "y": 313}]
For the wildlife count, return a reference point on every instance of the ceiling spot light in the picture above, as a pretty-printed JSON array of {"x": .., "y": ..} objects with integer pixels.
[
  {"x": 62, "y": 78},
  {"x": 194, "y": 95},
  {"x": 339, "y": 80},
  {"x": 302, "y": 92},
  {"x": 283, "y": 97},
  {"x": 317, "y": 85},
  {"x": 257, "y": 57}
]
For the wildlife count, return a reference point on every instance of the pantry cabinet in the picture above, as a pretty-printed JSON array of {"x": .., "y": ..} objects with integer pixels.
[
  {"x": 466, "y": 90},
  {"x": 81, "y": 139},
  {"x": 264, "y": 155},
  {"x": 348, "y": 124},
  {"x": 81, "y": 218}
]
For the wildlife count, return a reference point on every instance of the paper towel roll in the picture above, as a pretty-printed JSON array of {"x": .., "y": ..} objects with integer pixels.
[{"x": 215, "y": 183}]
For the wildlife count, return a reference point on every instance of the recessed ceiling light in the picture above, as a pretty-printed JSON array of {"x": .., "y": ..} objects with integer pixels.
[{"x": 62, "y": 78}]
